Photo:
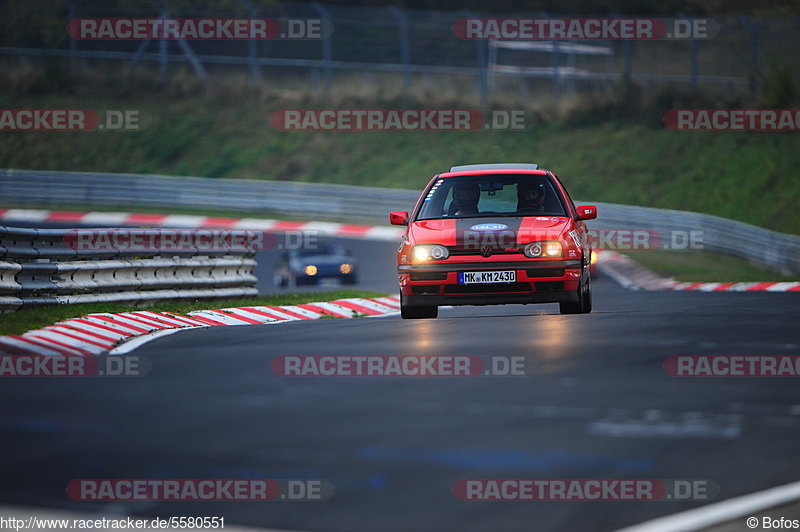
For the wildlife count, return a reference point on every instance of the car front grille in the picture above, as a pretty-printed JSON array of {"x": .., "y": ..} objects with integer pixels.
[
  {"x": 456, "y": 251},
  {"x": 487, "y": 288},
  {"x": 545, "y": 272},
  {"x": 428, "y": 276}
]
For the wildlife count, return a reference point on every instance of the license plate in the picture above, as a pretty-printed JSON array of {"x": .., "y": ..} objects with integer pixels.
[{"x": 487, "y": 277}]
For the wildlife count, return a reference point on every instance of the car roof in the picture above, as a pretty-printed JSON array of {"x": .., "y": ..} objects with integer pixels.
[
  {"x": 493, "y": 170},
  {"x": 495, "y": 166}
]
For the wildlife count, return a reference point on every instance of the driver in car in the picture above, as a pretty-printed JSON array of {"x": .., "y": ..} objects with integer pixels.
[
  {"x": 465, "y": 199},
  {"x": 530, "y": 197}
]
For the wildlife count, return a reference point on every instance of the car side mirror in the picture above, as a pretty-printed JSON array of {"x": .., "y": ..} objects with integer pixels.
[
  {"x": 587, "y": 212},
  {"x": 398, "y": 217}
]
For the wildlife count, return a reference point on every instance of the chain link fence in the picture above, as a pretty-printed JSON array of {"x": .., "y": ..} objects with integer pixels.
[{"x": 380, "y": 47}]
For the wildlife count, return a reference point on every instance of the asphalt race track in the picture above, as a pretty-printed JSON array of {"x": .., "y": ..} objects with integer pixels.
[{"x": 596, "y": 403}]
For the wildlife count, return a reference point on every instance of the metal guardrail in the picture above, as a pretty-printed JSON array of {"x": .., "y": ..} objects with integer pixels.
[
  {"x": 247, "y": 196},
  {"x": 28, "y": 187},
  {"x": 39, "y": 267},
  {"x": 771, "y": 249}
]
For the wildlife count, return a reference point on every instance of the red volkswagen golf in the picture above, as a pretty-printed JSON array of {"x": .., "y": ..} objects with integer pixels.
[{"x": 493, "y": 234}]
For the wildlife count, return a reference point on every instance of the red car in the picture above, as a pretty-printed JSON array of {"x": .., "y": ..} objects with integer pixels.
[{"x": 493, "y": 234}]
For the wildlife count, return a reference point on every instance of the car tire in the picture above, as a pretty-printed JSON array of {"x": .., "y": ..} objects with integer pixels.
[
  {"x": 280, "y": 280},
  {"x": 417, "y": 313},
  {"x": 584, "y": 303}
]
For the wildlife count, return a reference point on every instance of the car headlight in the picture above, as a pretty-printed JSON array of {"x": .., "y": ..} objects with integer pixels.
[
  {"x": 346, "y": 268},
  {"x": 594, "y": 257},
  {"x": 310, "y": 270},
  {"x": 535, "y": 250},
  {"x": 430, "y": 252}
]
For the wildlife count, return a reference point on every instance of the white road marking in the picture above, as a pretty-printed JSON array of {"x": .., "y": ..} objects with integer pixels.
[{"x": 721, "y": 512}]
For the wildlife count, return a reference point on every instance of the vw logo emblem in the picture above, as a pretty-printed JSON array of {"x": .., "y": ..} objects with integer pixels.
[
  {"x": 489, "y": 227},
  {"x": 486, "y": 251}
]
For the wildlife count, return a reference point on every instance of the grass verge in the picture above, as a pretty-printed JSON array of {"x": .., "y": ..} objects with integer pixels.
[
  {"x": 634, "y": 160},
  {"x": 701, "y": 266},
  {"x": 34, "y": 318}
]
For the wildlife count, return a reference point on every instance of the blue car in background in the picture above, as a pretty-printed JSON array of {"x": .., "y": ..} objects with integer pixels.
[{"x": 325, "y": 262}]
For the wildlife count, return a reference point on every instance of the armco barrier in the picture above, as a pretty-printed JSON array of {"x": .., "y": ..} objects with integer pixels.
[
  {"x": 312, "y": 200},
  {"x": 130, "y": 190},
  {"x": 38, "y": 267}
]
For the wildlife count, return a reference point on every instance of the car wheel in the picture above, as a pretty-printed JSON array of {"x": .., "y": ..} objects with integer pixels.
[
  {"x": 280, "y": 280},
  {"x": 587, "y": 298},
  {"x": 584, "y": 303},
  {"x": 417, "y": 313}
]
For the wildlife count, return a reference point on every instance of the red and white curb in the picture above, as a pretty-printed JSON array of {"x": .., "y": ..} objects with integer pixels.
[
  {"x": 185, "y": 221},
  {"x": 103, "y": 333},
  {"x": 633, "y": 275}
]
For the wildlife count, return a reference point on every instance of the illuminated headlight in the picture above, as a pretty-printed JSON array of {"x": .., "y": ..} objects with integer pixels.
[
  {"x": 310, "y": 270},
  {"x": 594, "y": 257},
  {"x": 542, "y": 249},
  {"x": 346, "y": 268},
  {"x": 552, "y": 249},
  {"x": 430, "y": 252}
]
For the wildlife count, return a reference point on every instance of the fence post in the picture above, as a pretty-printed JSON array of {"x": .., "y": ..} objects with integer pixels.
[
  {"x": 327, "y": 44},
  {"x": 747, "y": 23},
  {"x": 556, "y": 72},
  {"x": 162, "y": 52},
  {"x": 627, "y": 49},
  {"x": 481, "y": 64},
  {"x": 692, "y": 54},
  {"x": 252, "y": 46},
  {"x": 627, "y": 54},
  {"x": 405, "y": 44},
  {"x": 555, "y": 62},
  {"x": 73, "y": 44}
]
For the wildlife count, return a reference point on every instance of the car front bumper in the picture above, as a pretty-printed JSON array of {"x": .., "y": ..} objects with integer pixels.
[{"x": 541, "y": 281}]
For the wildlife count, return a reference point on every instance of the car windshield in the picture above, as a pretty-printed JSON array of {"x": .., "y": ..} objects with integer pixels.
[
  {"x": 328, "y": 248},
  {"x": 491, "y": 195}
]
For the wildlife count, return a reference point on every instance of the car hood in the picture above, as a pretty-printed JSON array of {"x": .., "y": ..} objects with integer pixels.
[{"x": 456, "y": 231}]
